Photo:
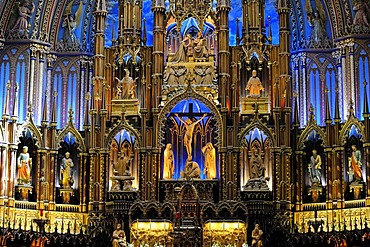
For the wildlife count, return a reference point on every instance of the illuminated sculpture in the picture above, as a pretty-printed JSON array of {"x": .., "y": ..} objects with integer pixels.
[
  {"x": 356, "y": 164},
  {"x": 126, "y": 87},
  {"x": 182, "y": 53},
  {"x": 314, "y": 168},
  {"x": 24, "y": 12},
  {"x": 209, "y": 160},
  {"x": 257, "y": 168},
  {"x": 200, "y": 50},
  {"x": 66, "y": 172},
  {"x": 168, "y": 162},
  {"x": 24, "y": 165},
  {"x": 119, "y": 237},
  {"x": 256, "y": 236},
  {"x": 188, "y": 138},
  {"x": 191, "y": 170},
  {"x": 254, "y": 85}
]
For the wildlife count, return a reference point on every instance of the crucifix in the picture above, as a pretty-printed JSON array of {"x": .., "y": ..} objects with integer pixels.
[{"x": 189, "y": 126}]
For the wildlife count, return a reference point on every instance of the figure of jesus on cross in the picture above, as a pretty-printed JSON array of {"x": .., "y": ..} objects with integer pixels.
[{"x": 188, "y": 137}]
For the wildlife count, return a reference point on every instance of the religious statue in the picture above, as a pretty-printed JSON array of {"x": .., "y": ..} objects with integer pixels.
[
  {"x": 188, "y": 138},
  {"x": 314, "y": 168},
  {"x": 204, "y": 75},
  {"x": 24, "y": 164},
  {"x": 256, "y": 163},
  {"x": 70, "y": 24},
  {"x": 191, "y": 170},
  {"x": 317, "y": 20},
  {"x": 209, "y": 161},
  {"x": 182, "y": 52},
  {"x": 254, "y": 85},
  {"x": 168, "y": 162},
  {"x": 122, "y": 166},
  {"x": 256, "y": 236},
  {"x": 362, "y": 10},
  {"x": 170, "y": 76},
  {"x": 66, "y": 172},
  {"x": 355, "y": 164},
  {"x": 126, "y": 87},
  {"x": 200, "y": 49},
  {"x": 119, "y": 237},
  {"x": 24, "y": 12}
]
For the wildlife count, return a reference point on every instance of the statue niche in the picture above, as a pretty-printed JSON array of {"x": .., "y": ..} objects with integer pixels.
[
  {"x": 314, "y": 172},
  {"x": 124, "y": 92},
  {"x": 254, "y": 89},
  {"x": 256, "y": 167},
  {"x": 68, "y": 169},
  {"x": 25, "y": 166},
  {"x": 355, "y": 167},
  {"x": 189, "y": 134},
  {"x": 123, "y": 161}
]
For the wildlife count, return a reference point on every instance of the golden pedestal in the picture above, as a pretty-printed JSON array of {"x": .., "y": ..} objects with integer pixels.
[
  {"x": 131, "y": 107},
  {"x": 248, "y": 105},
  {"x": 356, "y": 188},
  {"x": 66, "y": 194},
  {"x": 24, "y": 191}
]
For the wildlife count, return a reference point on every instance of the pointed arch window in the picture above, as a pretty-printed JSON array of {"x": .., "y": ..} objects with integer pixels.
[{"x": 4, "y": 78}]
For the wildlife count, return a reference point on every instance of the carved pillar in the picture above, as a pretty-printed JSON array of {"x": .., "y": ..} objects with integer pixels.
[
  {"x": 223, "y": 55},
  {"x": 276, "y": 151},
  {"x": 158, "y": 9},
  {"x": 351, "y": 74},
  {"x": 329, "y": 175},
  {"x": 84, "y": 177},
  {"x": 299, "y": 173},
  {"x": 33, "y": 53},
  {"x": 303, "y": 89},
  {"x": 40, "y": 82},
  {"x": 51, "y": 58},
  {"x": 83, "y": 89}
]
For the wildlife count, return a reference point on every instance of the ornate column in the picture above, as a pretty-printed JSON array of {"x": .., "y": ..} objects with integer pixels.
[
  {"x": 33, "y": 56},
  {"x": 158, "y": 9},
  {"x": 53, "y": 153},
  {"x": 51, "y": 58},
  {"x": 303, "y": 89},
  {"x": 42, "y": 53},
  {"x": 223, "y": 55},
  {"x": 300, "y": 181}
]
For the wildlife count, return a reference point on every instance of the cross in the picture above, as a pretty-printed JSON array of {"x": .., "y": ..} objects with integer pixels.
[{"x": 190, "y": 114}]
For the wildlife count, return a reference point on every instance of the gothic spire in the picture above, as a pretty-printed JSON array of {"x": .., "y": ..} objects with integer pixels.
[
  {"x": 44, "y": 110},
  {"x": 7, "y": 102},
  {"x": 327, "y": 107},
  {"x": 336, "y": 116},
  {"x": 296, "y": 114},
  {"x": 54, "y": 110},
  {"x": 366, "y": 105}
]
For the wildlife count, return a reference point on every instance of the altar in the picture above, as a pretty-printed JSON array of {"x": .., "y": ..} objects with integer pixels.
[{"x": 249, "y": 102}]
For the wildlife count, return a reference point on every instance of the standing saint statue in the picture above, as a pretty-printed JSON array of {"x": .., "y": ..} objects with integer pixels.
[
  {"x": 188, "y": 138},
  {"x": 209, "y": 161},
  {"x": 256, "y": 236},
  {"x": 119, "y": 237},
  {"x": 254, "y": 85},
  {"x": 256, "y": 163},
  {"x": 24, "y": 164},
  {"x": 24, "y": 12},
  {"x": 126, "y": 87},
  {"x": 355, "y": 163},
  {"x": 314, "y": 168},
  {"x": 66, "y": 172},
  {"x": 168, "y": 162},
  {"x": 70, "y": 24}
]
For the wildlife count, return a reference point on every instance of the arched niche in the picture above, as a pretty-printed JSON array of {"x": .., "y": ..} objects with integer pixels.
[
  {"x": 28, "y": 144},
  {"x": 204, "y": 133},
  {"x": 311, "y": 176},
  {"x": 68, "y": 143},
  {"x": 191, "y": 26},
  {"x": 256, "y": 139},
  {"x": 354, "y": 158},
  {"x": 124, "y": 144}
]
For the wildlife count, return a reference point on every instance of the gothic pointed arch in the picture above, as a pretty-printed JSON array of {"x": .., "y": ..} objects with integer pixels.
[
  {"x": 30, "y": 125},
  {"x": 256, "y": 123},
  {"x": 351, "y": 121},
  {"x": 70, "y": 128},
  {"x": 312, "y": 126},
  {"x": 188, "y": 94},
  {"x": 123, "y": 124}
]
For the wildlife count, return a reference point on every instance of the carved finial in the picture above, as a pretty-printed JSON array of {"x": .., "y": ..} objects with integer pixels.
[
  {"x": 123, "y": 112},
  {"x": 55, "y": 94},
  {"x": 29, "y": 108},
  {"x": 70, "y": 114},
  {"x": 87, "y": 96},
  {"x": 8, "y": 85},
  {"x": 365, "y": 83},
  {"x": 295, "y": 94},
  {"x": 326, "y": 90},
  {"x": 311, "y": 109},
  {"x": 16, "y": 87},
  {"x": 255, "y": 108}
]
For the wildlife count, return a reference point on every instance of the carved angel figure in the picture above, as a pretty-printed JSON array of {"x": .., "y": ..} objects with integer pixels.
[
  {"x": 362, "y": 12},
  {"x": 204, "y": 75},
  {"x": 25, "y": 10},
  {"x": 316, "y": 20},
  {"x": 70, "y": 24}
]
